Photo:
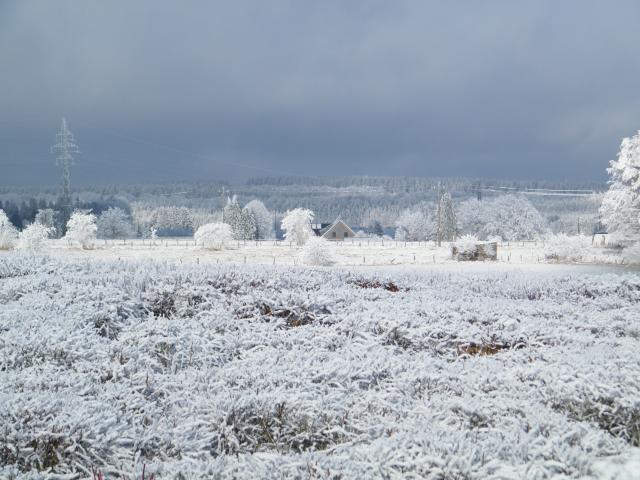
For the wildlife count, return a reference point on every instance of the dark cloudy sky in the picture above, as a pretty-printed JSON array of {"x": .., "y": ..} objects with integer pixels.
[{"x": 159, "y": 90}]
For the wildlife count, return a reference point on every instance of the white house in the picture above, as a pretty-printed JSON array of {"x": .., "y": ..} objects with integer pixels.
[{"x": 337, "y": 230}]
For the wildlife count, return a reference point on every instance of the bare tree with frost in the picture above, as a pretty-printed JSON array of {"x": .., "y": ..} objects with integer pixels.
[
  {"x": 114, "y": 223},
  {"x": 297, "y": 225},
  {"x": 82, "y": 229}
]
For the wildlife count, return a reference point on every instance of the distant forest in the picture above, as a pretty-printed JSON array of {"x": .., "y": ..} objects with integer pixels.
[{"x": 358, "y": 200}]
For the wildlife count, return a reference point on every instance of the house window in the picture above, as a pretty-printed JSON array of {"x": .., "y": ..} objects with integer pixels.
[
  {"x": 346, "y": 234},
  {"x": 333, "y": 234}
]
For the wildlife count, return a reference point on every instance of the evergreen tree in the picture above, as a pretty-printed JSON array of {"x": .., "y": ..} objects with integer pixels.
[
  {"x": 448, "y": 222},
  {"x": 620, "y": 208}
]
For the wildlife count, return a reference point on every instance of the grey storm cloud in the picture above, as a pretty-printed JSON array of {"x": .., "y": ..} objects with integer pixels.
[{"x": 159, "y": 90}]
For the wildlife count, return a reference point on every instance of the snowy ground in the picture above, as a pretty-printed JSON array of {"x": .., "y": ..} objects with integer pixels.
[
  {"x": 234, "y": 371},
  {"x": 349, "y": 253}
]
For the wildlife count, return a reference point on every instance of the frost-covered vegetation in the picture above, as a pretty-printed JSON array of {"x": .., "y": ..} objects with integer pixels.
[
  {"x": 317, "y": 251},
  {"x": 213, "y": 236},
  {"x": 256, "y": 372}
]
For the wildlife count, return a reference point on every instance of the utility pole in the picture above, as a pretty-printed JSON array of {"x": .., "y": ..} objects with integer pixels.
[
  {"x": 222, "y": 201},
  {"x": 275, "y": 226},
  {"x": 64, "y": 149}
]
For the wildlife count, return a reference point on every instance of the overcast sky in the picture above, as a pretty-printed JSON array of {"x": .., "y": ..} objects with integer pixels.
[{"x": 158, "y": 90}]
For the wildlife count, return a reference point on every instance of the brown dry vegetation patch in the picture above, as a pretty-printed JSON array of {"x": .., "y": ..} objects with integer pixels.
[
  {"x": 490, "y": 347},
  {"x": 292, "y": 317},
  {"x": 388, "y": 286}
]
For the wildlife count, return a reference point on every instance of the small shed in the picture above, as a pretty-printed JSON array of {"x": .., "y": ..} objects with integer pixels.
[{"x": 337, "y": 230}]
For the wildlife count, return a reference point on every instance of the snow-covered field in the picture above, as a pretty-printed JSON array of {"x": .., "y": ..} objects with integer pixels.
[
  {"x": 357, "y": 252},
  {"x": 200, "y": 370}
]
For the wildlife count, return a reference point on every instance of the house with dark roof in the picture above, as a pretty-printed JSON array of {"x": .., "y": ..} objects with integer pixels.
[{"x": 337, "y": 230}]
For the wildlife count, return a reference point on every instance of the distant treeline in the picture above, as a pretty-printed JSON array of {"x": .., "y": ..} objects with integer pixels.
[
  {"x": 420, "y": 184},
  {"x": 358, "y": 200}
]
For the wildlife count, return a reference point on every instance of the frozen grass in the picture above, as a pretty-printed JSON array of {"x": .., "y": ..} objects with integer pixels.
[{"x": 205, "y": 371}]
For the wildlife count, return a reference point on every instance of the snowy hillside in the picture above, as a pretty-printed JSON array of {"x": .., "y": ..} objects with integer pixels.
[{"x": 206, "y": 371}]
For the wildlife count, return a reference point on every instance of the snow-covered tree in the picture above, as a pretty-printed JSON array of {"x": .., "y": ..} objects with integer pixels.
[
  {"x": 470, "y": 216},
  {"x": 261, "y": 218},
  {"x": 114, "y": 223},
  {"x": 297, "y": 225},
  {"x": 81, "y": 229},
  {"x": 170, "y": 218},
  {"x": 417, "y": 223},
  {"x": 240, "y": 220},
  {"x": 317, "y": 251},
  {"x": 448, "y": 222},
  {"x": 47, "y": 217},
  {"x": 8, "y": 233},
  {"x": 214, "y": 236},
  {"x": 620, "y": 208},
  {"x": 510, "y": 217},
  {"x": 33, "y": 237}
]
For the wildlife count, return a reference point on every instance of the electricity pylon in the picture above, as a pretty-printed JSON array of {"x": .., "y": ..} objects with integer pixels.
[{"x": 64, "y": 149}]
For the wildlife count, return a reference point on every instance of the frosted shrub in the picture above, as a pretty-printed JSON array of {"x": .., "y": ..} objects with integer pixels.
[
  {"x": 81, "y": 229},
  {"x": 213, "y": 235},
  {"x": 466, "y": 244},
  {"x": 317, "y": 251},
  {"x": 33, "y": 237},
  {"x": 565, "y": 248},
  {"x": 8, "y": 233},
  {"x": 297, "y": 225}
]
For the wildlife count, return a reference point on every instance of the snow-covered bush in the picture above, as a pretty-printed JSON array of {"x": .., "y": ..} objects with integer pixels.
[
  {"x": 317, "y": 251},
  {"x": 567, "y": 248},
  {"x": 81, "y": 229},
  {"x": 114, "y": 223},
  {"x": 297, "y": 225},
  {"x": 213, "y": 236},
  {"x": 8, "y": 233},
  {"x": 466, "y": 244},
  {"x": 33, "y": 237}
]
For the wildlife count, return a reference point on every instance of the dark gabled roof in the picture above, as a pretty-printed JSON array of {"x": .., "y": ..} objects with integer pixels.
[{"x": 337, "y": 222}]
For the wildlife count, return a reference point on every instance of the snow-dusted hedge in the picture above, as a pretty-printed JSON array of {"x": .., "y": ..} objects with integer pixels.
[{"x": 256, "y": 372}]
